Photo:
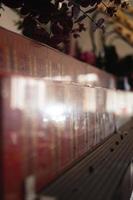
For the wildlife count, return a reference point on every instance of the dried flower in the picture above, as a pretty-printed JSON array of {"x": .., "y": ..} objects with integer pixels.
[
  {"x": 59, "y": 14},
  {"x": 124, "y": 5},
  {"x": 111, "y": 10},
  {"x": 117, "y": 2}
]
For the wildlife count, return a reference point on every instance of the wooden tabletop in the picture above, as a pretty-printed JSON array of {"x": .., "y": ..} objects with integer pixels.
[{"x": 97, "y": 176}]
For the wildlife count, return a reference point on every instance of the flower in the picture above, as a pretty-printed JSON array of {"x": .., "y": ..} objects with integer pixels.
[{"x": 88, "y": 57}]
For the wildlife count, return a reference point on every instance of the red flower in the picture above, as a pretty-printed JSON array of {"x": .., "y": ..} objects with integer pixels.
[{"x": 88, "y": 57}]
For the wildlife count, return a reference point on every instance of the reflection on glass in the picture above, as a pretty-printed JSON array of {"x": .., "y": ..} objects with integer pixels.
[
  {"x": 56, "y": 112},
  {"x": 17, "y": 93},
  {"x": 88, "y": 78},
  {"x": 90, "y": 100},
  {"x": 27, "y": 92},
  {"x": 59, "y": 78}
]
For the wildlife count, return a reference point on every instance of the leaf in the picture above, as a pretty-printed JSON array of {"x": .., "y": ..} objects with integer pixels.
[
  {"x": 94, "y": 27},
  {"x": 13, "y": 4},
  {"x": 24, "y": 11},
  {"x": 76, "y": 35},
  {"x": 56, "y": 29},
  {"x": 75, "y": 11},
  {"x": 111, "y": 11},
  {"x": 70, "y": 3},
  {"x": 98, "y": 24},
  {"x": 117, "y": 2},
  {"x": 56, "y": 39},
  {"x": 124, "y": 4},
  {"x": 81, "y": 27},
  {"x": 80, "y": 18}
]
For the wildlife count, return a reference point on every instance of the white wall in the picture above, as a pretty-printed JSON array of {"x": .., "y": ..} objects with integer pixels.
[{"x": 8, "y": 18}]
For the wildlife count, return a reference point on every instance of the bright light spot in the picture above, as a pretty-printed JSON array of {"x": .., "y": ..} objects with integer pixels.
[
  {"x": 56, "y": 112},
  {"x": 60, "y": 118},
  {"x": 59, "y": 78},
  {"x": 18, "y": 92},
  {"x": 45, "y": 119},
  {"x": 87, "y": 78},
  {"x": 27, "y": 93}
]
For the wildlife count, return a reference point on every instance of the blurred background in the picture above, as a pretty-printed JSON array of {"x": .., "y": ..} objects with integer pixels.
[{"x": 110, "y": 50}]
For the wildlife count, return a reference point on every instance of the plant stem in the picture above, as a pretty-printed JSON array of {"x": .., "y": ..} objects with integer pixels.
[
  {"x": 86, "y": 14},
  {"x": 104, "y": 4}
]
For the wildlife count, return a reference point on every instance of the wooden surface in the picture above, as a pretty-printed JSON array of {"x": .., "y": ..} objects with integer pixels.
[
  {"x": 98, "y": 175},
  {"x": 19, "y": 54}
]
